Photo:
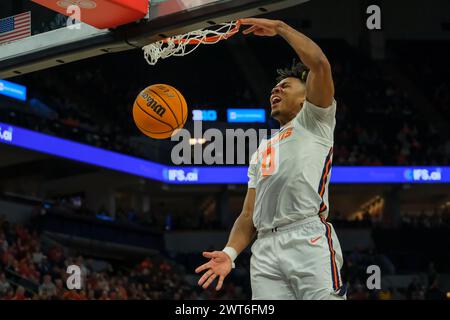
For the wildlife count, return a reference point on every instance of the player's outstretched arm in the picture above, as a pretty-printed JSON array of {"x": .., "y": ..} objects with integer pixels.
[
  {"x": 242, "y": 233},
  {"x": 319, "y": 84}
]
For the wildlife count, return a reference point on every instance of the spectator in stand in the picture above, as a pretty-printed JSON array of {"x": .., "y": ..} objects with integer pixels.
[
  {"x": 146, "y": 264},
  {"x": 74, "y": 295},
  {"x": 9, "y": 294},
  {"x": 43, "y": 266},
  {"x": 104, "y": 295},
  {"x": 413, "y": 287},
  {"x": 56, "y": 257},
  {"x": 4, "y": 285},
  {"x": 91, "y": 295},
  {"x": 434, "y": 292},
  {"x": 385, "y": 294},
  {"x": 419, "y": 294},
  {"x": 121, "y": 291},
  {"x": 37, "y": 256},
  {"x": 359, "y": 293},
  {"x": 59, "y": 288},
  {"x": 20, "y": 294},
  {"x": 3, "y": 243},
  {"x": 165, "y": 266},
  {"x": 48, "y": 288},
  {"x": 80, "y": 262}
]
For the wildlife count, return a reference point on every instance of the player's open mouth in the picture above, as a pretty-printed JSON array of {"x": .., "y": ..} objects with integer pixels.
[{"x": 275, "y": 100}]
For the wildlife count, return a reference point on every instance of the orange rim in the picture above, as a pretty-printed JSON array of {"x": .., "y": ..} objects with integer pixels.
[{"x": 211, "y": 39}]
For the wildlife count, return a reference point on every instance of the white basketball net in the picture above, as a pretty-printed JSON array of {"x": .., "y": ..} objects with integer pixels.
[{"x": 184, "y": 44}]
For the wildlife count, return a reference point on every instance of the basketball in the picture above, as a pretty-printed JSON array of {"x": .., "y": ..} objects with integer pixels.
[{"x": 159, "y": 110}]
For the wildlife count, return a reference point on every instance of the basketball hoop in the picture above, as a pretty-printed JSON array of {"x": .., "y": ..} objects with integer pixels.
[{"x": 178, "y": 45}]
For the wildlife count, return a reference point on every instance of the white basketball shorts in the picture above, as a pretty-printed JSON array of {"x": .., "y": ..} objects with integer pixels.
[{"x": 299, "y": 261}]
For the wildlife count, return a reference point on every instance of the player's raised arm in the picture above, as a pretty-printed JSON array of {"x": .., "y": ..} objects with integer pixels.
[
  {"x": 242, "y": 233},
  {"x": 319, "y": 84}
]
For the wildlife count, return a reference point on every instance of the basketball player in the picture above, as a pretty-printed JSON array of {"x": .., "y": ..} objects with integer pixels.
[{"x": 297, "y": 254}]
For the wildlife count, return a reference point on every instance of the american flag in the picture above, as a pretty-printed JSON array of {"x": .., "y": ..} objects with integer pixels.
[{"x": 15, "y": 27}]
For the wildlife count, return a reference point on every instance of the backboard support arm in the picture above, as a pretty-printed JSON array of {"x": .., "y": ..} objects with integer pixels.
[{"x": 64, "y": 45}]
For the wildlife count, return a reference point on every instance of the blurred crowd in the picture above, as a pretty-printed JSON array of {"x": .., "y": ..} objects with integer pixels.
[
  {"x": 29, "y": 272},
  {"x": 160, "y": 218},
  {"x": 31, "y": 269},
  {"x": 423, "y": 286},
  {"x": 439, "y": 219},
  {"x": 378, "y": 122}
]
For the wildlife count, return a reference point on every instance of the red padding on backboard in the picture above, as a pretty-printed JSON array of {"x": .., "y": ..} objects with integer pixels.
[{"x": 101, "y": 14}]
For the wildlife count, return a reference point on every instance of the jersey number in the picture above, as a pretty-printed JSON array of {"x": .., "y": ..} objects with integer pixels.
[{"x": 268, "y": 162}]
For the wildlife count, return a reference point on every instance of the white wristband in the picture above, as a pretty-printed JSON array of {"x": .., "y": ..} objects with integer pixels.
[{"x": 231, "y": 252}]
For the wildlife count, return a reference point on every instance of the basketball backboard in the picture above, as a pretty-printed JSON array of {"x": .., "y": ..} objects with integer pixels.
[{"x": 53, "y": 43}]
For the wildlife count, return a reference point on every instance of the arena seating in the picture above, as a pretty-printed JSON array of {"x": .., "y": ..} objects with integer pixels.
[
  {"x": 33, "y": 267},
  {"x": 367, "y": 93}
]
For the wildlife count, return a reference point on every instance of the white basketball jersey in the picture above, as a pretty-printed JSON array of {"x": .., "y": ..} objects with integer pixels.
[{"x": 291, "y": 170}]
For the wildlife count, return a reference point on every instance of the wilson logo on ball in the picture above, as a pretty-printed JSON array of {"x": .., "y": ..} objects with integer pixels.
[
  {"x": 152, "y": 104},
  {"x": 159, "y": 111}
]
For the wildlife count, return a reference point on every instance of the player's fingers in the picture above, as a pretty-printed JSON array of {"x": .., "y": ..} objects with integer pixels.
[
  {"x": 250, "y": 30},
  {"x": 212, "y": 255},
  {"x": 202, "y": 267},
  {"x": 208, "y": 282},
  {"x": 205, "y": 277},
  {"x": 220, "y": 283},
  {"x": 262, "y": 23},
  {"x": 260, "y": 32},
  {"x": 248, "y": 21},
  {"x": 209, "y": 254}
]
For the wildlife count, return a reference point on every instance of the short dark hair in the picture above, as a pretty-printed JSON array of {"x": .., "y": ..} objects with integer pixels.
[{"x": 297, "y": 70}]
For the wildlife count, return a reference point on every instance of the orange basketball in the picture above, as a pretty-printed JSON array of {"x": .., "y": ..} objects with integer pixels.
[{"x": 159, "y": 110}]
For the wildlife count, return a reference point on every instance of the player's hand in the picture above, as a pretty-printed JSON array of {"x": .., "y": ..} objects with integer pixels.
[
  {"x": 219, "y": 266},
  {"x": 261, "y": 27}
]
